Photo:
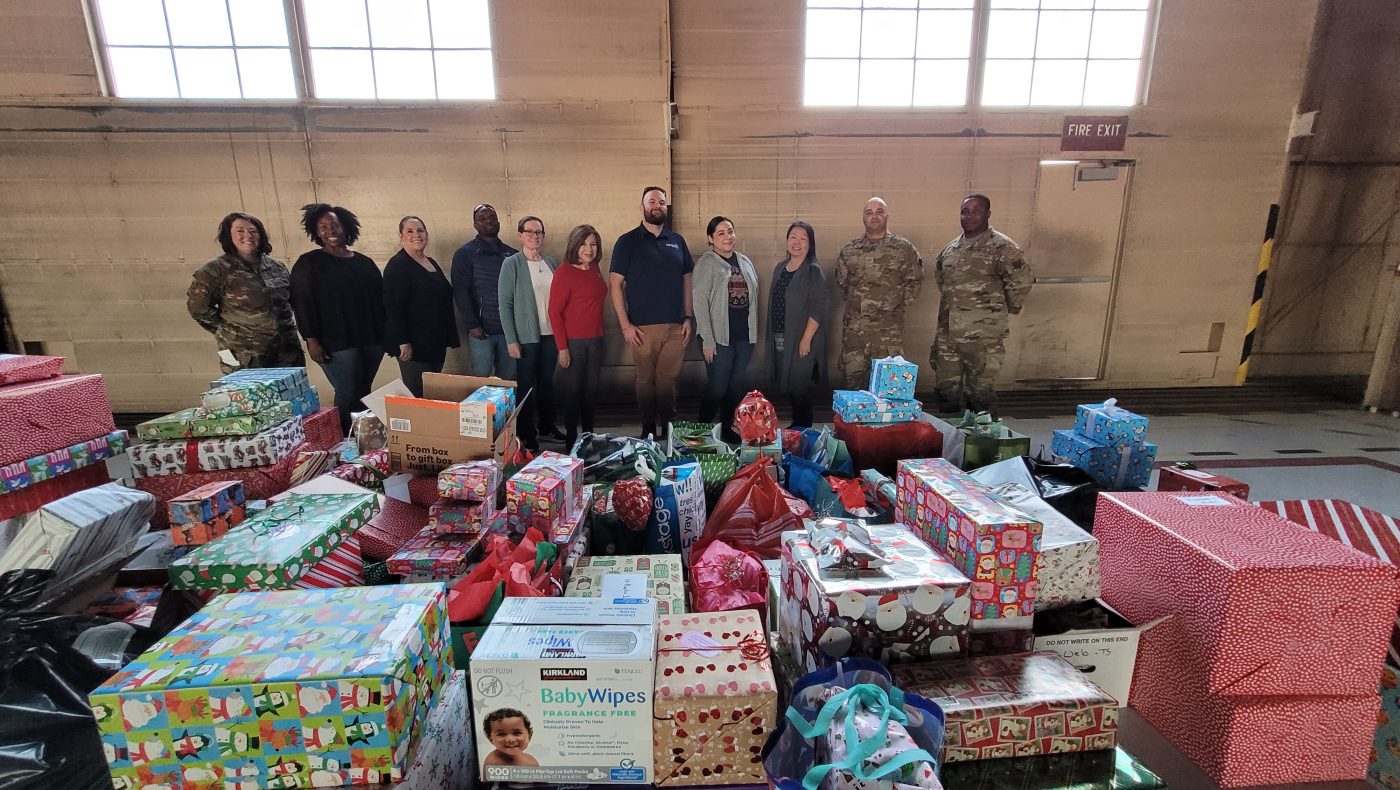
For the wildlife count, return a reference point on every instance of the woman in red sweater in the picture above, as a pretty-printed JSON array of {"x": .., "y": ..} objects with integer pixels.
[{"x": 576, "y": 313}]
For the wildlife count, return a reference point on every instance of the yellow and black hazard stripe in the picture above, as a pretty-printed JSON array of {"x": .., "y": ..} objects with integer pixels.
[{"x": 1266, "y": 252}]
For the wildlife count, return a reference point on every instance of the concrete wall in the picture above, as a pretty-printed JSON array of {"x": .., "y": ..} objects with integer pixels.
[
  {"x": 106, "y": 206},
  {"x": 1339, "y": 230}
]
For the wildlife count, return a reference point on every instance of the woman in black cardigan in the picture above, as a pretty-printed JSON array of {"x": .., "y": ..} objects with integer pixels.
[
  {"x": 419, "y": 323},
  {"x": 797, "y": 322}
]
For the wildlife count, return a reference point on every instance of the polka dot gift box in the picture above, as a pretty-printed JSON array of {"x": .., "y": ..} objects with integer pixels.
[
  {"x": 1272, "y": 609},
  {"x": 914, "y": 608},
  {"x": 716, "y": 699}
]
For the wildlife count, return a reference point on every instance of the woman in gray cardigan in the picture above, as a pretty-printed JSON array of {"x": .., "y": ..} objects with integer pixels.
[
  {"x": 725, "y": 294},
  {"x": 523, "y": 293},
  {"x": 796, "y": 321}
]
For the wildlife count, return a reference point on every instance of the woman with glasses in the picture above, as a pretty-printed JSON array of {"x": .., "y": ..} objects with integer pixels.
[
  {"x": 725, "y": 289},
  {"x": 796, "y": 318},
  {"x": 419, "y": 325},
  {"x": 338, "y": 298},
  {"x": 523, "y": 291}
]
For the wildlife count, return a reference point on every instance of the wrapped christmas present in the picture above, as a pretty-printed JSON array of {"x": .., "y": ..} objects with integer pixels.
[
  {"x": 200, "y": 532},
  {"x": 291, "y": 384},
  {"x": 1109, "y": 423},
  {"x": 1041, "y": 705},
  {"x": 893, "y": 378},
  {"x": 1111, "y": 465},
  {"x": 368, "y": 470},
  {"x": 33, "y": 497},
  {"x": 205, "y": 502},
  {"x": 1275, "y": 610},
  {"x": 545, "y": 490},
  {"x": 1184, "y": 476},
  {"x": 22, "y": 474},
  {"x": 656, "y": 576},
  {"x": 756, "y": 421},
  {"x": 877, "y": 591},
  {"x": 391, "y": 528},
  {"x": 21, "y": 368},
  {"x": 442, "y": 557},
  {"x": 473, "y": 481},
  {"x": 322, "y": 427},
  {"x": 329, "y": 686},
  {"x": 725, "y": 578},
  {"x": 859, "y": 407},
  {"x": 248, "y": 397},
  {"x": 210, "y": 455},
  {"x": 195, "y": 422},
  {"x": 446, "y": 756},
  {"x": 284, "y": 547},
  {"x": 453, "y": 516},
  {"x": 712, "y": 733},
  {"x": 38, "y": 417},
  {"x": 489, "y": 406},
  {"x": 1098, "y": 770},
  {"x": 1068, "y": 567}
]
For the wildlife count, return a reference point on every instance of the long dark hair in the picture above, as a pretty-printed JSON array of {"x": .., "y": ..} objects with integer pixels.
[
  {"x": 811, "y": 240},
  {"x": 312, "y": 213},
  {"x": 225, "y": 235}
]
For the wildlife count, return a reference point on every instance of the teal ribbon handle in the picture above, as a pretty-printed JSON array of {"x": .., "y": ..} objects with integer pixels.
[{"x": 860, "y": 750}]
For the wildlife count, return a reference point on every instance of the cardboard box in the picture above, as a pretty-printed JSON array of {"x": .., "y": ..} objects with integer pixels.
[
  {"x": 581, "y": 670},
  {"x": 712, "y": 733},
  {"x": 913, "y": 609},
  {"x": 1014, "y": 706},
  {"x": 1177, "y": 478},
  {"x": 991, "y": 542},
  {"x": 1098, "y": 641},
  {"x": 425, "y": 434},
  {"x": 1275, "y": 610},
  {"x": 262, "y": 686},
  {"x": 656, "y": 576}
]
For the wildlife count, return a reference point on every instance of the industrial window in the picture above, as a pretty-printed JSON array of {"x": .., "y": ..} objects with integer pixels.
[
  {"x": 1006, "y": 53},
  {"x": 347, "y": 49}
]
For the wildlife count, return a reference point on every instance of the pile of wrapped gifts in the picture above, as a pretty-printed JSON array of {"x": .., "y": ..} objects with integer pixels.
[
  {"x": 1110, "y": 443},
  {"x": 889, "y": 399}
]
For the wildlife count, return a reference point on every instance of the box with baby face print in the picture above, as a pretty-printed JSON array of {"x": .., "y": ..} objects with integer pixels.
[
  {"x": 1014, "y": 706},
  {"x": 914, "y": 608},
  {"x": 329, "y": 687}
]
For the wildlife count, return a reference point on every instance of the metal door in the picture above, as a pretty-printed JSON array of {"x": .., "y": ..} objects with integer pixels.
[{"x": 1062, "y": 331}]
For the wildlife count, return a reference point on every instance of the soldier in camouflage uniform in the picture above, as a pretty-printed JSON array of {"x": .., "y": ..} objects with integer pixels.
[
  {"x": 982, "y": 277},
  {"x": 880, "y": 273},
  {"x": 243, "y": 298}
]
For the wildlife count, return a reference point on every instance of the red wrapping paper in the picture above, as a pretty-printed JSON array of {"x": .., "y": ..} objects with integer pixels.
[
  {"x": 755, "y": 420},
  {"x": 423, "y": 490},
  {"x": 322, "y": 427},
  {"x": 1175, "y": 478},
  {"x": 395, "y": 524},
  {"x": 343, "y": 567},
  {"x": 1365, "y": 530},
  {"x": 39, "y": 417},
  {"x": 1274, "y": 610},
  {"x": 753, "y": 512},
  {"x": 1248, "y": 740},
  {"x": 723, "y": 578},
  {"x": 27, "y": 500},
  {"x": 880, "y": 446},
  {"x": 259, "y": 482},
  {"x": 18, "y": 368}
]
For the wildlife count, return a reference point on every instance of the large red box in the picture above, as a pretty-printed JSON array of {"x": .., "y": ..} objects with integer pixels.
[
  {"x": 1274, "y": 610},
  {"x": 1248, "y": 740},
  {"x": 322, "y": 427},
  {"x": 39, "y": 417},
  {"x": 881, "y": 446},
  {"x": 1177, "y": 478},
  {"x": 1363, "y": 529}
]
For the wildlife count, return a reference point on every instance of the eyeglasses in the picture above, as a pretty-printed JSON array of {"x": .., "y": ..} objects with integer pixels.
[{"x": 532, "y": 232}]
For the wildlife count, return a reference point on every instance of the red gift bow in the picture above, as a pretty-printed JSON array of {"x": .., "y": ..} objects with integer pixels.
[
  {"x": 751, "y": 647},
  {"x": 851, "y": 492}
]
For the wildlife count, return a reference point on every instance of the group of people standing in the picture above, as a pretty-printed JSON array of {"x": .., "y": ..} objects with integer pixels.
[{"x": 539, "y": 321}]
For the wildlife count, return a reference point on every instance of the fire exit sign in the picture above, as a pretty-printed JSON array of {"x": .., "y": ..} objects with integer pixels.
[{"x": 1094, "y": 133}]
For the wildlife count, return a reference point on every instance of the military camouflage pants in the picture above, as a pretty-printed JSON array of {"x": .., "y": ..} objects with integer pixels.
[
  {"x": 966, "y": 373},
  {"x": 285, "y": 352},
  {"x": 859, "y": 347}
]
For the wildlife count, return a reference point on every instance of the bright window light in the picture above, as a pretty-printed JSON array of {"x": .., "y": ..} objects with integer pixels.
[{"x": 925, "y": 53}]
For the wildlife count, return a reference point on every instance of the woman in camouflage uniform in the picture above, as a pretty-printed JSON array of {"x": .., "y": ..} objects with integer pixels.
[{"x": 243, "y": 297}]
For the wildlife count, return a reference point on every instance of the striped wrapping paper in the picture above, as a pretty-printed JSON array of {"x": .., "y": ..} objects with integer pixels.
[
  {"x": 1365, "y": 530},
  {"x": 36, "y": 496},
  {"x": 343, "y": 567}
]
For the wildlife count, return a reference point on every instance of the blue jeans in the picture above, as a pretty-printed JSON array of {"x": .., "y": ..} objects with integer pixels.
[
  {"x": 351, "y": 372},
  {"x": 725, "y": 379},
  {"x": 489, "y": 357},
  {"x": 535, "y": 376}
]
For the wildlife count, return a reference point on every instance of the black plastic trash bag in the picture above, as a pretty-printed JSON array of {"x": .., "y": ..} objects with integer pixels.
[
  {"x": 608, "y": 458},
  {"x": 48, "y": 665},
  {"x": 1066, "y": 488}
]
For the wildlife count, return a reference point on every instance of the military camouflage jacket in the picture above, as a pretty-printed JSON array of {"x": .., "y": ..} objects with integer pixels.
[
  {"x": 246, "y": 307},
  {"x": 981, "y": 280},
  {"x": 878, "y": 278}
]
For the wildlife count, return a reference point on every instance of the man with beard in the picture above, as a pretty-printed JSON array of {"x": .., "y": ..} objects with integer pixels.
[
  {"x": 982, "y": 276},
  {"x": 880, "y": 274},
  {"x": 649, "y": 280},
  {"x": 476, "y": 268}
]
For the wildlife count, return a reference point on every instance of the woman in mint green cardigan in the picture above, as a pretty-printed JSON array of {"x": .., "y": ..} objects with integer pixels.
[{"x": 523, "y": 292}]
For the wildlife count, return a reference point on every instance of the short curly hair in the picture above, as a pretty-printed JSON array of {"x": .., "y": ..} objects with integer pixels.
[
  {"x": 312, "y": 213},
  {"x": 506, "y": 713},
  {"x": 225, "y": 234}
]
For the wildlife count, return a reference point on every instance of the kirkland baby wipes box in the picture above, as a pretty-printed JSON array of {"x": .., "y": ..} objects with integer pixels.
[{"x": 561, "y": 691}]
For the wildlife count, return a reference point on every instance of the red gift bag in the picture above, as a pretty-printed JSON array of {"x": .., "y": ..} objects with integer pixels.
[
  {"x": 755, "y": 420},
  {"x": 881, "y": 446},
  {"x": 723, "y": 578},
  {"x": 753, "y": 512}
]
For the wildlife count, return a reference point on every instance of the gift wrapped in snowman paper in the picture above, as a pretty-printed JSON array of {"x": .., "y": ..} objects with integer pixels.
[{"x": 876, "y": 591}]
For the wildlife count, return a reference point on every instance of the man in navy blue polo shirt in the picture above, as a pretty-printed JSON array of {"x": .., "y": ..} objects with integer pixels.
[{"x": 650, "y": 283}]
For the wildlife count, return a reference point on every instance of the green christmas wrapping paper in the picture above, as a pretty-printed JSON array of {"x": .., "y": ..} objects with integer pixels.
[
  {"x": 247, "y": 397},
  {"x": 197, "y": 423},
  {"x": 313, "y": 687},
  {"x": 642, "y": 576},
  {"x": 274, "y": 549}
]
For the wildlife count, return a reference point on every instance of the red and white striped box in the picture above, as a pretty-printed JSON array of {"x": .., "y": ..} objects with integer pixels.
[
  {"x": 1247, "y": 740},
  {"x": 1273, "y": 609},
  {"x": 39, "y": 417},
  {"x": 1364, "y": 530},
  {"x": 343, "y": 567}
]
